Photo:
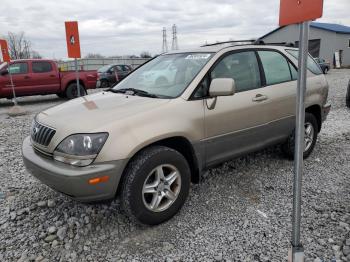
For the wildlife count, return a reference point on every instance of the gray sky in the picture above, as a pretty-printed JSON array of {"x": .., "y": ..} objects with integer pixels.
[{"x": 121, "y": 27}]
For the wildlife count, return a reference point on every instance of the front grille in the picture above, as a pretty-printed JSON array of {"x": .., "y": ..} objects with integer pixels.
[{"x": 41, "y": 134}]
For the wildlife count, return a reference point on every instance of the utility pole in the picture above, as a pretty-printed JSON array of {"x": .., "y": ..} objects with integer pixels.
[
  {"x": 174, "y": 44},
  {"x": 165, "y": 44}
]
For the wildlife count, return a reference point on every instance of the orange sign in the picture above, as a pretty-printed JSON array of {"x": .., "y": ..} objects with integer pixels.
[
  {"x": 297, "y": 11},
  {"x": 5, "y": 51},
  {"x": 72, "y": 37}
]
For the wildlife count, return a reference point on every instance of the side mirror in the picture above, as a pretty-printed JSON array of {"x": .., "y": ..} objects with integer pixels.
[
  {"x": 222, "y": 87},
  {"x": 4, "y": 72}
]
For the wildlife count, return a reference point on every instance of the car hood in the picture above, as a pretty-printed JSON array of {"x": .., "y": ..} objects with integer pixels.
[{"x": 91, "y": 113}]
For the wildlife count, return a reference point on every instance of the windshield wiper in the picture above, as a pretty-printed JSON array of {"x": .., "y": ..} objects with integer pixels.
[{"x": 133, "y": 91}]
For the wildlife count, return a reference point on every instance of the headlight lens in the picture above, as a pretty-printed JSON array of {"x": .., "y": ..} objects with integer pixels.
[{"x": 80, "y": 149}]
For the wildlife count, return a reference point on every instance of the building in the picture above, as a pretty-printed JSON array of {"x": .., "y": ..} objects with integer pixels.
[{"x": 328, "y": 41}]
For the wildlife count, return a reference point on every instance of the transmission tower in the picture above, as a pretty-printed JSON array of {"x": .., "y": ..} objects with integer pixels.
[
  {"x": 174, "y": 44},
  {"x": 165, "y": 44}
]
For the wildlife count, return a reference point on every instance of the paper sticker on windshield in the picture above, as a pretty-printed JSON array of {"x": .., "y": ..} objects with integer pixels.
[{"x": 198, "y": 56}]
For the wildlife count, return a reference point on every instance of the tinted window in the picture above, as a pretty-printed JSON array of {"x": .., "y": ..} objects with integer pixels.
[
  {"x": 242, "y": 67},
  {"x": 311, "y": 64},
  {"x": 118, "y": 68},
  {"x": 126, "y": 68},
  {"x": 19, "y": 68},
  {"x": 276, "y": 67},
  {"x": 41, "y": 67}
]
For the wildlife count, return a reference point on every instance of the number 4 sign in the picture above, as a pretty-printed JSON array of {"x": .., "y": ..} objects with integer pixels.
[
  {"x": 72, "y": 37},
  {"x": 4, "y": 51}
]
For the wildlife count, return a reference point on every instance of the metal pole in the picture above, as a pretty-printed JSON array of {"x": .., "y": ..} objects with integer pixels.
[
  {"x": 77, "y": 76},
  {"x": 297, "y": 249},
  {"x": 13, "y": 86}
]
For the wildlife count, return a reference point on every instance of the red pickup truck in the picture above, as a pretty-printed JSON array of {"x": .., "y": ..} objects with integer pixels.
[{"x": 43, "y": 77}]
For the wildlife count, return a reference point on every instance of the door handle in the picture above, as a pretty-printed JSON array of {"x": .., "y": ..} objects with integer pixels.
[
  {"x": 26, "y": 77},
  {"x": 52, "y": 75},
  {"x": 259, "y": 98}
]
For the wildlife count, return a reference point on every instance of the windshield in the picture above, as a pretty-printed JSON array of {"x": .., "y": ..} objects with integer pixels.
[
  {"x": 167, "y": 75},
  {"x": 104, "y": 69}
]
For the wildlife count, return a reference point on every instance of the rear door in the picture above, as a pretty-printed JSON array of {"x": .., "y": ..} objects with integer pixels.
[
  {"x": 280, "y": 89},
  {"x": 236, "y": 124},
  {"x": 45, "y": 77}
]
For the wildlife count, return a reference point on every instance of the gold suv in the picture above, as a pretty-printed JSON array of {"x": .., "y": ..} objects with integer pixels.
[{"x": 148, "y": 137}]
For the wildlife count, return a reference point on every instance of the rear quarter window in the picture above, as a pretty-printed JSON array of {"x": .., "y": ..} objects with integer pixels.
[{"x": 311, "y": 64}]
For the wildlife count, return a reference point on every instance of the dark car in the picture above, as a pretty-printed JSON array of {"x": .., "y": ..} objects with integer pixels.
[
  {"x": 325, "y": 66},
  {"x": 110, "y": 74}
]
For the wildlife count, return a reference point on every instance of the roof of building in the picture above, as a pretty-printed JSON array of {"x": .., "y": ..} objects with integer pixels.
[
  {"x": 332, "y": 27},
  {"x": 342, "y": 29}
]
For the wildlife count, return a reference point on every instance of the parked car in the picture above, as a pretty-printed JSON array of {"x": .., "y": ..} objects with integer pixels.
[
  {"x": 42, "y": 77},
  {"x": 325, "y": 66},
  {"x": 110, "y": 74},
  {"x": 146, "y": 143}
]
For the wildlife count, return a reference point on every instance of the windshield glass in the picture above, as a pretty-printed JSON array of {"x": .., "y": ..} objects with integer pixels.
[
  {"x": 104, "y": 69},
  {"x": 167, "y": 75}
]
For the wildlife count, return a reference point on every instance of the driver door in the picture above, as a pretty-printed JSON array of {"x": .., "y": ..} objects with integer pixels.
[{"x": 236, "y": 125}]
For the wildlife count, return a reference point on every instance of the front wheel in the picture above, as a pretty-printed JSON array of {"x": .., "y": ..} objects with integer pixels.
[
  {"x": 72, "y": 91},
  {"x": 310, "y": 138},
  {"x": 325, "y": 71},
  {"x": 155, "y": 185}
]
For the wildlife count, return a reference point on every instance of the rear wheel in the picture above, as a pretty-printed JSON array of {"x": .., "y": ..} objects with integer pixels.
[
  {"x": 104, "y": 84},
  {"x": 310, "y": 138},
  {"x": 72, "y": 91},
  {"x": 155, "y": 185}
]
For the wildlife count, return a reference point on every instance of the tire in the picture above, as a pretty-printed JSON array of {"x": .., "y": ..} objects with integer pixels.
[
  {"x": 72, "y": 92},
  {"x": 61, "y": 95},
  {"x": 348, "y": 96},
  {"x": 325, "y": 71},
  {"x": 141, "y": 173},
  {"x": 104, "y": 84},
  {"x": 288, "y": 146}
]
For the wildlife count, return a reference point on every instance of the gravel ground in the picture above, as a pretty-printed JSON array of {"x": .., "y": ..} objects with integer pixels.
[{"x": 241, "y": 210}]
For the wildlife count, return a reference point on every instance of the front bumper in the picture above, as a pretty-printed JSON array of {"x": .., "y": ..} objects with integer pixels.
[
  {"x": 73, "y": 181},
  {"x": 325, "y": 111}
]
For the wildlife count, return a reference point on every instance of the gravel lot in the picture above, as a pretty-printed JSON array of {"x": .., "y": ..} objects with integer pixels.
[{"x": 241, "y": 210}]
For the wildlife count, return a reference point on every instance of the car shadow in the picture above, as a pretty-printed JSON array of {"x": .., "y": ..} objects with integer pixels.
[{"x": 31, "y": 101}]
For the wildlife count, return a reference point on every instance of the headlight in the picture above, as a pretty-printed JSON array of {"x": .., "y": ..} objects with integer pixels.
[{"x": 80, "y": 149}]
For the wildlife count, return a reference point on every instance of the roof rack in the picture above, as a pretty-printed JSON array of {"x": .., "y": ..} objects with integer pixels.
[
  {"x": 229, "y": 42},
  {"x": 252, "y": 42}
]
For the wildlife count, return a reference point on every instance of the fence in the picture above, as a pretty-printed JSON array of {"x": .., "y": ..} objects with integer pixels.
[{"x": 94, "y": 64}]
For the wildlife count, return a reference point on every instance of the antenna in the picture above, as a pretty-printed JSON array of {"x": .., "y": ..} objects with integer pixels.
[
  {"x": 165, "y": 44},
  {"x": 174, "y": 45}
]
